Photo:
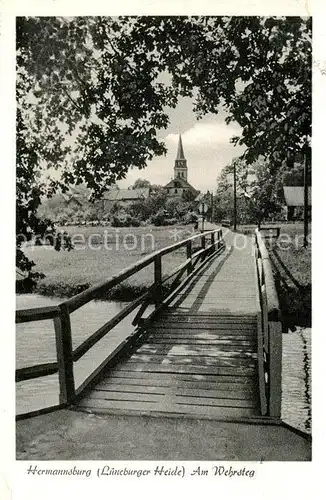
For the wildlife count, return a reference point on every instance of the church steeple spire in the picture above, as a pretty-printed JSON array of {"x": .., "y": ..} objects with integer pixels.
[
  {"x": 180, "y": 164},
  {"x": 180, "y": 153}
]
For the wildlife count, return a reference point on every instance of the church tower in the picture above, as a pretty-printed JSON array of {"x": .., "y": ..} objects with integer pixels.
[{"x": 180, "y": 164}]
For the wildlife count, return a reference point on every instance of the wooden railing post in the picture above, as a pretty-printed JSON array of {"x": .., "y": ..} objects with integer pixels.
[
  {"x": 213, "y": 242},
  {"x": 275, "y": 367},
  {"x": 272, "y": 328},
  {"x": 189, "y": 254},
  {"x": 203, "y": 246},
  {"x": 219, "y": 238},
  {"x": 63, "y": 340},
  {"x": 158, "y": 279}
]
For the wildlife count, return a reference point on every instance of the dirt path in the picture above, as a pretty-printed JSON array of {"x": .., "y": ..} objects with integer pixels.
[{"x": 71, "y": 435}]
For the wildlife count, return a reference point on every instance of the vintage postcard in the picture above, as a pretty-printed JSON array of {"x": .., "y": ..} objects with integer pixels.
[{"x": 161, "y": 161}]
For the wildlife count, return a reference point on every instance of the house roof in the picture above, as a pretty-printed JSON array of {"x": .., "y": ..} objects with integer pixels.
[
  {"x": 75, "y": 197},
  {"x": 126, "y": 194},
  {"x": 294, "y": 196},
  {"x": 203, "y": 197}
]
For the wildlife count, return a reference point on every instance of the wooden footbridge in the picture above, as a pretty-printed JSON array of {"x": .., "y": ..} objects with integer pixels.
[{"x": 209, "y": 348}]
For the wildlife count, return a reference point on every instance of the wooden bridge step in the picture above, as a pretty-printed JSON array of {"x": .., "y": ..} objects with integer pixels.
[
  {"x": 168, "y": 398},
  {"x": 218, "y": 327},
  {"x": 164, "y": 345},
  {"x": 148, "y": 408},
  {"x": 200, "y": 346},
  {"x": 179, "y": 379},
  {"x": 208, "y": 336},
  {"x": 218, "y": 324},
  {"x": 164, "y": 359},
  {"x": 209, "y": 318},
  {"x": 223, "y": 391},
  {"x": 180, "y": 311},
  {"x": 193, "y": 369},
  {"x": 227, "y": 358}
]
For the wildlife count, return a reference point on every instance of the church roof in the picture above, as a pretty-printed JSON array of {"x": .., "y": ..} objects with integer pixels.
[
  {"x": 180, "y": 183},
  {"x": 180, "y": 153}
]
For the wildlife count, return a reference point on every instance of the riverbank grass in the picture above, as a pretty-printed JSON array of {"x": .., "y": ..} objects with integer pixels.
[
  {"x": 292, "y": 271},
  {"x": 100, "y": 253}
]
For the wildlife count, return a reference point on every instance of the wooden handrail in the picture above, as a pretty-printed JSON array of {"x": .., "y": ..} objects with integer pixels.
[
  {"x": 61, "y": 313},
  {"x": 272, "y": 298},
  {"x": 91, "y": 293},
  {"x": 36, "y": 314},
  {"x": 36, "y": 371},
  {"x": 270, "y": 328}
]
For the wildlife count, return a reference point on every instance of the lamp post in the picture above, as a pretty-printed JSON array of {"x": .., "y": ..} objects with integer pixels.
[
  {"x": 234, "y": 197},
  {"x": 212, "y": 208},
  {"x": 305, "y": 196}
]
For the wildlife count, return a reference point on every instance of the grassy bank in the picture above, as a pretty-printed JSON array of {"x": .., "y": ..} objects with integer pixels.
[
  {"x": 100, "y": 253},
  {"x": 292, "y": 272}
]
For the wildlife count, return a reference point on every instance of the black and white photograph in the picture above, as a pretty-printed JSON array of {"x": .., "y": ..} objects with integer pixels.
[{"x": 163, "y": 241}]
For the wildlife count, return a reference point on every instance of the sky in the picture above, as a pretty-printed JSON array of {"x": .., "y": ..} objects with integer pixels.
[{"x": 206, "y": 145}]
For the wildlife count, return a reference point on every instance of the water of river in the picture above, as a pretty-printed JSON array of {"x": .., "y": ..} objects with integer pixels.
[{"x": 35, "y": 344}]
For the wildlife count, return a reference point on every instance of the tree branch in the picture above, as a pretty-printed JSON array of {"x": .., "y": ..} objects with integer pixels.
[{"x": 71, "y": 100}]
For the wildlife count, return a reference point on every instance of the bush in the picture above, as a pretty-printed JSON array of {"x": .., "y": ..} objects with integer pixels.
[
  {"x": 171, "y": 222},
  {"x": 116, "y": 221},
  {"x": 134, "y": 222},
  {"x": 126, "y": 221},
  {"x": 159, "y": 218},
  {"x": 190, "y": 218}
]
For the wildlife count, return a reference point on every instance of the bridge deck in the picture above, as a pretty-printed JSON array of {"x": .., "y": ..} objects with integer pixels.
[{"x": 199, "y": 358}]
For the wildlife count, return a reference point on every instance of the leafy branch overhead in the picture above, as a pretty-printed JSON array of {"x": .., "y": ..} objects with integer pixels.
[
  {"x": 102, "y": 79},
  {"x": 92, "y": 92}
]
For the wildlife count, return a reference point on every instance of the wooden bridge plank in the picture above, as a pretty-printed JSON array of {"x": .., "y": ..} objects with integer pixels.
[
  {"x": 249, "y": 345},
  {"x": 200, "y": 346},
  {"x": 198, "y": 360},
  {"x": 179, "y": 378},
  {"x": 206, "y": 319},
  {"x": 203, "y": 325},
  {"x": 168, "y": 398},
  {"x": 218, "y": 294},
  {"x": 193, "y": 330},
  {"x": 135, "y": 407},
  {"x": 202, "y": 334},
  {"x": 241, "y": 392},
  {"x": 201, "y": 370},
  {"x": 178, "y": 312},
  {"x": 197, "y": 349}
]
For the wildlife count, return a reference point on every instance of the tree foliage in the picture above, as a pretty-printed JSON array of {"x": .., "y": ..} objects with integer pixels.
[
  {"x": 92, "y": 92},
  {"x": 259, "y": 192},
  {"x": 258, "y": 68},
  {"x": 141, "y": 183}
]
